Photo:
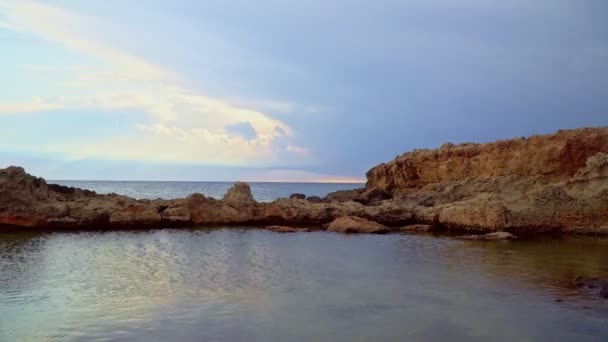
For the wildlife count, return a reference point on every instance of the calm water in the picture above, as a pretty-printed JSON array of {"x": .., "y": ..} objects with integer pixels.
[
  {"x": 253, "y": 285},
  {"x": 263, "y": 192}
]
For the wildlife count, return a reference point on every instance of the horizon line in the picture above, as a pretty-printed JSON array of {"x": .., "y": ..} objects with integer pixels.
[{"x": 329, "y": 181}]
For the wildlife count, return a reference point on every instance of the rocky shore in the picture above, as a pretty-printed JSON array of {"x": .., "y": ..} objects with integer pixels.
[{"x": 551, "y": 184}]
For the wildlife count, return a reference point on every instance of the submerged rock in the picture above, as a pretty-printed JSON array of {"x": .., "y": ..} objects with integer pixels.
[
  {"x": 356, "y": 225},
  {"x": 595, "y": 284},
  {"x": 285, "y": 229},
  {"x": 415, "y": 228},
  {"x": 490, "y": 237}
]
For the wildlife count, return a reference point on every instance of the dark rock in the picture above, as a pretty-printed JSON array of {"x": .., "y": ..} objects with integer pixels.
[
  {"x": 604, "y": 290},
  {"x": 415, "y": 228},
  {"x": 314, "y": 199},
  {"x": 343, "y": 195},
  {"x": 373, "y": 197},
  {"x": 297, "y": 196}
]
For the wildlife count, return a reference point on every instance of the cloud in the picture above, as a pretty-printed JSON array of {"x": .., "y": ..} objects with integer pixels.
[
  {"x": 182, "y": 124},
  {"x": 36, "y": 105},
  {"x": 242, "y": 129},
  {"x": 301, "y": 151}
]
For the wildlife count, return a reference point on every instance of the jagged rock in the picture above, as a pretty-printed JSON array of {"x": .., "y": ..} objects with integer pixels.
[
  {"x": 297, "y": 196},
  {"x": 356, "y": 225},
  {"x": 239, "y": 194},
  {"x": 314, "y": 199},
  {"x": 490, "y": 236}
]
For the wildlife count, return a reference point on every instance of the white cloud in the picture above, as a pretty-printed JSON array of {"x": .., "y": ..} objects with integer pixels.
[{"x": 183, "y": 125}]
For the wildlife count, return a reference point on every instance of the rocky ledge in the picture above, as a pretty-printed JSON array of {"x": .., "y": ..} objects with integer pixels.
[{"x": 538, "y": 185}]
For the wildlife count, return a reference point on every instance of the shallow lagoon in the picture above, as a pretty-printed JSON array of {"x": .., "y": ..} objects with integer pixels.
[{"x": 248, "y": 284}]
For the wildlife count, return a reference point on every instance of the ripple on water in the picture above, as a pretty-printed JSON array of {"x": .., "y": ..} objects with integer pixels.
[{"x": 232, "y": 284}]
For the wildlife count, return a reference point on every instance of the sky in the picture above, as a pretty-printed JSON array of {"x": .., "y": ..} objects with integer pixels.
[{"x": 275, "y": 90}]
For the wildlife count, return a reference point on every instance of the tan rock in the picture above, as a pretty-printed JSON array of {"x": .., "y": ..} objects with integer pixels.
[
  {"x": 135, "y": 215},
  {"x": 176, "y": 214},
  {"x": 356, "y": 225},
  {"x": 239, "y": 194},
  {"x": 554, "y": 157}
]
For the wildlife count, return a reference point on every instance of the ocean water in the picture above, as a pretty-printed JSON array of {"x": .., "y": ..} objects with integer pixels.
[
  {"x": 254, "y": 285},
  {"x": 262, "y": 191}
]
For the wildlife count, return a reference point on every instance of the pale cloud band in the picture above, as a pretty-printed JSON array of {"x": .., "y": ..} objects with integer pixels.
[{"x": 182, "y": 125}]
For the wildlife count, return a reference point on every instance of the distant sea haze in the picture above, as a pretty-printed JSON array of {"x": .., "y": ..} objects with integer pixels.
[{"x": 262, "y": 191}]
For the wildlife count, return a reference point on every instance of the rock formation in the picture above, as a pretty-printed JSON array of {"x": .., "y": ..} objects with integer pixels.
[
  {"x": 542, "y": 184},
  {"x": 537, "y": 185}
]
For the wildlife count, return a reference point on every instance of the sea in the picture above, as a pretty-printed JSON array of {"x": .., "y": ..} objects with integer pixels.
[
  {"x": 247, "y": 284},
  {"x": 262, "y": 191}
]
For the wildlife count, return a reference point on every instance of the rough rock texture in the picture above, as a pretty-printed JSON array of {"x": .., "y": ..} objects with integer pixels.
[
  {"x": 28, "y": 202},
  {"x": 554, "y": 157},
  {"x": 542, "y": 184},
  {"x": 239, "y": 194},
  {"x": 538, "y": 185},
  {"x": 356, "y": 225}
]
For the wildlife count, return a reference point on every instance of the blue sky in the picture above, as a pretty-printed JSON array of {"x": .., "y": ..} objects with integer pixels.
[{"x": 284, "y": 90}]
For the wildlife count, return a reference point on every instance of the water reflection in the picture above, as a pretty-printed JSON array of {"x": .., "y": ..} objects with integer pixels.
[{"x": 254, "y": 285}]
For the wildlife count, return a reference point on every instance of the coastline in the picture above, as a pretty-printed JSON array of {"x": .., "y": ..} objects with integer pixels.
[{"x": 541, "y": 185}]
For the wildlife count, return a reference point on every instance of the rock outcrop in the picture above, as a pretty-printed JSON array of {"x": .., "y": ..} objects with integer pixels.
[
  {"x": 29, "y": 202},
  {"x": 542, "y": 184},
  {"x": 538, "y": 185},
  {"x": 553, "y": 157}
]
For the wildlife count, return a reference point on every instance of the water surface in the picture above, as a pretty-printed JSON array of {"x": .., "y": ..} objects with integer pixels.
[
  {"x": 254, "y": 285},
  {"x": 262, "y": 191}
]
